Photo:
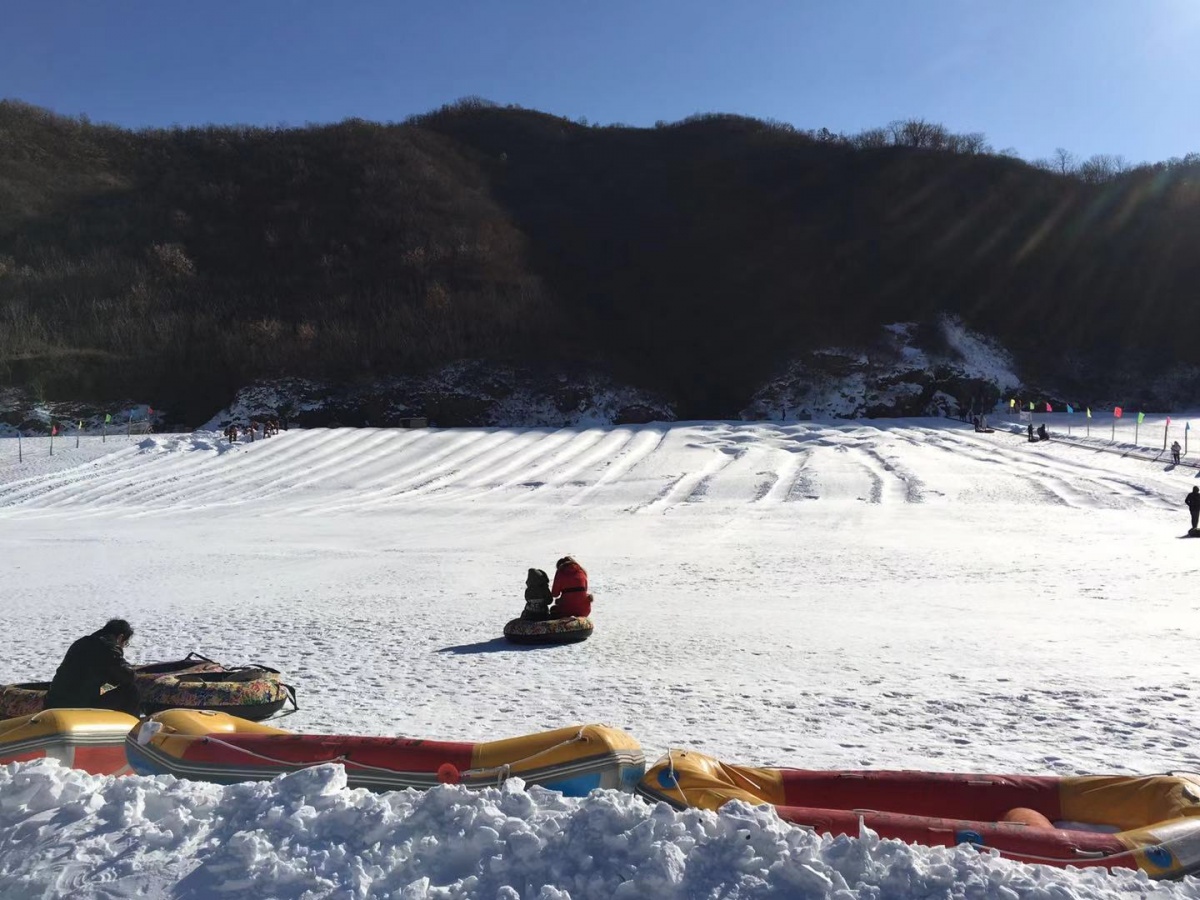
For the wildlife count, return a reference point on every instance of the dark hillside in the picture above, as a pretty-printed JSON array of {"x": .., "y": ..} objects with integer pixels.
[{"x": 693, "y": 258}]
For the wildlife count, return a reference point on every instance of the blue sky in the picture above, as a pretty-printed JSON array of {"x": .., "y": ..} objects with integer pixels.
[{"x": 1093, "y": 76}]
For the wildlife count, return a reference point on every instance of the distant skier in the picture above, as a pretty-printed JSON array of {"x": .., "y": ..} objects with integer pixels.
[
  {"x": 1175, "y": 448},
  {"x": 1193, "y": 505},
  {"x": 1030, "y": 430},
  {"x": 570, "y": 590},
  {"x": 1043, "y": 434}
]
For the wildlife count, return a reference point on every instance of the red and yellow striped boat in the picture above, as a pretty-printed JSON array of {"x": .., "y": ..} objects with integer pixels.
[
  {"x": 89, "y": 739},
  {"x": 209, "y": 746},
  {"x": 1148, "y": 822}
]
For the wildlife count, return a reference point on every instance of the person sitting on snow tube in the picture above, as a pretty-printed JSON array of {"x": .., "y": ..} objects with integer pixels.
[
  {"x": 537, "y": 597},
  {"x": 91, "y": 662},
  {"x": 570, "y": 590},
  {"x": 1043, "y": 434}
]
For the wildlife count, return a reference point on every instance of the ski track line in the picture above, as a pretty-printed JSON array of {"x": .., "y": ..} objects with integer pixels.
[
  {"x": 1056, "y": 480},
  {"x": 357, "y": 448},
  {"x": 365, "y": 458},
  {"x": 231, "y": 484},
  {"x": 690, "y": 487},
  {"x": 39, "y": 483},
  {"x": 803, "y": 484},
  {"x": 169, "y": 467},
  {"x": 10, "y": 485},
  {"x": 68, "y": 479},
  {"x": 524, "y": 462},
  {"x": 877, "y": 476},
  {"x": 630, "y": 456},
  {"x": 620, "y": 438},
  {"x": 232, "y": 481},
  {"x": 447, "y": 473},
  {"x": 914, "y": 487},
  {"x": 461, "y": 449},
  {"x": 581, "y": 445}
]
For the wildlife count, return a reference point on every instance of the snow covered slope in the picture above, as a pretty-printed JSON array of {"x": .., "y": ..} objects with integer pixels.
[{"x": 902, "y": 593}]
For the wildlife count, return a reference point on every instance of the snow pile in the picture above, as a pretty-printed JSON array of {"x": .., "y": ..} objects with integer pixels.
[
  {"x": 462, "y": 393},
  {"x": 961, "y": 370},
  {"x": 65, "y": 833}
]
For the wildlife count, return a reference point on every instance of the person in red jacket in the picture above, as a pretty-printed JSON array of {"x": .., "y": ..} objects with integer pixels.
[{"x": 570, "y": 590}]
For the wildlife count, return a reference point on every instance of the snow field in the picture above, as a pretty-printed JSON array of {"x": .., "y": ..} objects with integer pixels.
[{"x": 900, "y": 594}]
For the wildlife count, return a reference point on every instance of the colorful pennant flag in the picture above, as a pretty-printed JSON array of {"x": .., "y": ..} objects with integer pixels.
[
  {"x": 1049, "y": 408},
  {"x": 1031, "y": 406},
  {"x": 1168, "y": 421},
  {"x": 1117, "y": 411},
  {"x": 108, "y": 418},
  {"x": 1141, "y": 417},
  {"x": 1012, "y": 403},
  {"x": 1070, "y": 410},
  {"x": 80, "y": 425},
  {"x": 1089, "y": 412},
  {"x": 53, "y": 429}
]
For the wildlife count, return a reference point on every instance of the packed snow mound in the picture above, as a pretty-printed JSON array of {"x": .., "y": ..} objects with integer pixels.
[
  {"x": 462, "y": 393},
  {"x": 306, "y": 835},
  {"x": 940, "y": 370}
]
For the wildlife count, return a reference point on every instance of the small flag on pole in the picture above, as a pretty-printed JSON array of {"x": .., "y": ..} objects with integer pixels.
[
  {"x": 53, "y": 429},
  {"x": 1089, "y": 412},
  {"x": 1117, "y": 412},
  {"x": 1031, "y": 406},
  {"x": 80, "y": 425},
  {"x": 1012, "y": 403},
  {"x": 1141, "y": 417},
  {"x": 1168, "y": 420},
  {"x": 1049, "y": 408},
  {"x": 1070, "y": 409},
  {"x": 108, "y": 418}
]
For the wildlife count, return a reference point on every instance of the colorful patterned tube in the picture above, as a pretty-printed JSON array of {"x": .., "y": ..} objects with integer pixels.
[{"x": 570, "y": 630}]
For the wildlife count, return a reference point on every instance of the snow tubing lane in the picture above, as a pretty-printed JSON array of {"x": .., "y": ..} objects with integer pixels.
[
  {"x": 253, "y": 693},
  {"x": 570, "y": 630}
]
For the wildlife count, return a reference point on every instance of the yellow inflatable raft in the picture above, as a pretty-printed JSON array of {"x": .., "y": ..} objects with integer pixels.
[
  {"x": 89, "y": 739},
  {"x": 1149, "y": 822},
  {"x": 209, "y": 746}
]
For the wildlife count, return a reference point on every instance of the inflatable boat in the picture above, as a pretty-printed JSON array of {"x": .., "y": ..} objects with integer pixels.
[
  {"x": 208, "y": 746},
  {"x": 570, "y": 630},
  {"x": 89, "y": 739},
  {"x": 194, "y": 682},
  {"x": 1150, "y": 822}
]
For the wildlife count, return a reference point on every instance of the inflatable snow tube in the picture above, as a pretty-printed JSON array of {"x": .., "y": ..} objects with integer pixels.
[
  {"x": 30, "y": 697},
  {"x": 89, "y": 739},
  {"x": 1149, "y": 822},
  {"x": 253, "y": 692},
  {"x": 570, "y": 630},
  {"x": 23, "y": 699},
  {"x": 209, "y": 746}
]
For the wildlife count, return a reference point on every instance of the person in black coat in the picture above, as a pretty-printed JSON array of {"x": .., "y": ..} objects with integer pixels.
[
  {"x": 1193, "y": 505},
  {"x": 92, "y": 662}
]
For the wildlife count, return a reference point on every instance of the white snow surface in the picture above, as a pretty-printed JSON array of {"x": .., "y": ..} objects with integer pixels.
[{"x": 892, "y": 594}]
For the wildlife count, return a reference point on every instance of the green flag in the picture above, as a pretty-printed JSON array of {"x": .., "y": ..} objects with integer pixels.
[
  {"x": 1030, "y": 405},
  {"x": 80, "y": 425},
  {"x": 108, "y": 419},
  {"x": 1141, "y": 417}
]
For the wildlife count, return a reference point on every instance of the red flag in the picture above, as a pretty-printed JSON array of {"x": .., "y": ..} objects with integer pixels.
[
  {"x": 1117, "y": 412},
  {"x": 53, "y": 430},
  {"x": 1049, "y": 408},
  {"x": 1168, "y": 420}
]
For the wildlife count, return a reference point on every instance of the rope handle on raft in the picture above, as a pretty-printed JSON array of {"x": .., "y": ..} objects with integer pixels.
[
  {"x": 503, "y": 770},
  {"x": 291, "y": 695}
]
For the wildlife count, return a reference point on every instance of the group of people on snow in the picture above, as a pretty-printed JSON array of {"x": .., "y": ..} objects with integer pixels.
[
  {"x": 266, "y": 427},
  {"x": 569, "y": 593}
]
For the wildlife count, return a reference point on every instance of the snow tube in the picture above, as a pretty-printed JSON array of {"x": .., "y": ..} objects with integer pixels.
[
  {"x": 89, "y": 739},
  {"x": 1149, "y": 822},
  {"x": 208, "y": 746},
  {"x": 252, "y": 692},
  {"x": 194, "y": 682},
  {"x": 570, "y": 630}
]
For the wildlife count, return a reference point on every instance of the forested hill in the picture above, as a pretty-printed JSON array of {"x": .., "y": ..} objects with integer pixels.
[{"x": 693, "y": 258}]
